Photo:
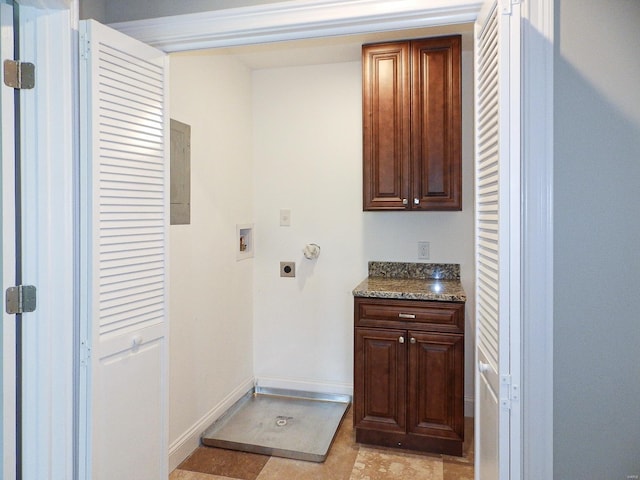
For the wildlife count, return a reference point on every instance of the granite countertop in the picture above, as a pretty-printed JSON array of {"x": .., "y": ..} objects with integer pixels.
[{"x": 412, "y": 281}]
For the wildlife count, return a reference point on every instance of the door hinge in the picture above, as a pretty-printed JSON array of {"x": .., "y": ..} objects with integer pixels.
[
  {"x": 505, "y": 5},
  {"x": 85, "y": 46},
  {"x": 21, "y": 75},
  {"x": 509, "y": 392},
  {"x": 20, "y": 299},
  {"x": 85, "y": 353}
]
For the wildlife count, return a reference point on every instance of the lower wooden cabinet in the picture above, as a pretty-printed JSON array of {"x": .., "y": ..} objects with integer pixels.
[{"x": 409, "y": 374}]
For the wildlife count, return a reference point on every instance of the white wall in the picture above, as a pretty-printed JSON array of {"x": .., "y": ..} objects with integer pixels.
[
  {"x": 210, "y": 292},
  {"x": 308, "y": 158},
  {"x": 597, "y": 233}
]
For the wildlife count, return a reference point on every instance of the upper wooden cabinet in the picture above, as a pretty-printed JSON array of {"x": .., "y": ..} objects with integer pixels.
[{"x": 412, "y": 125}]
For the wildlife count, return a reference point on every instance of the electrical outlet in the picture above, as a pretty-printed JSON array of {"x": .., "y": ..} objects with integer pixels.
[
  {"x": 423, "y": 250},
  {"x": 287, "y": 269}
]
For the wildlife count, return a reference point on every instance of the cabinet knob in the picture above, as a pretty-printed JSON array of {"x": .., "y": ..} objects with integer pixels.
[
  {"x": 413, "y": 340},
  {"x": 483, "y": 367},
  {"x": 401, "y": 340},
  {"x": 405, "y": 201},
  {"x": 406, "y": 315},
  {"x": 416, "y": 201}
]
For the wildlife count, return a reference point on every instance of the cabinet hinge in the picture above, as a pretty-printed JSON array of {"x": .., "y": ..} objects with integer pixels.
[
  {"x": 20, "y": 75},
  {"x": 509, "y": 392},
  {"x": 20, "y": 299}
]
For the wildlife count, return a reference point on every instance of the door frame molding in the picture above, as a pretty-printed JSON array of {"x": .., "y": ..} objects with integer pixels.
[
  {"x": 48, "y": 184},
  {"x": 297, "y": 20},
  {"x": 290, "y": 21},
  {"x": 337, "y": 18},
  {"x": 294, "y": 20},
  {"x": 537, "y": 238},
  {"x": 8, "y": 402}
]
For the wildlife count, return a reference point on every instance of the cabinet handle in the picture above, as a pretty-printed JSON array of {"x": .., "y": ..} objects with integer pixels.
[
  {"x": 416, "y": 201},
  {"x": 401, "y": 340},
  {"x": 406, "y": 315},
  {"x": 405, "y": 201},
  {"x": 413, "y": 340}
]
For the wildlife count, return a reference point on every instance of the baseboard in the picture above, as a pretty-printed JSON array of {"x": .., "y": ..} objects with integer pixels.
[
  {"x": 305, "y": 386},
  {"x": 469, "y": 407},
  {"x": 182, "y": 447}
]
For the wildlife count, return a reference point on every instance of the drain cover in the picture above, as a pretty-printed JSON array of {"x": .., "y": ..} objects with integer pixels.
[{"x": 282, "y": 421}]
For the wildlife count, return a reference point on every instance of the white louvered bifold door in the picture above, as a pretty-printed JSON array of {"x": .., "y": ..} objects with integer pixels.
[
  {"x": 124, "y": 218},
  {"x": 497, "y": 238}
]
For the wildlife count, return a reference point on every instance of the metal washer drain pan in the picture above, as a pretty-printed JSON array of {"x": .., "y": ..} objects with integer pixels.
[{"x": 298, "y": 425}]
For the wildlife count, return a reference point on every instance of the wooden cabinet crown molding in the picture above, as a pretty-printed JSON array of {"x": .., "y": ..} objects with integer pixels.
[{"x": 294, "y": 20}]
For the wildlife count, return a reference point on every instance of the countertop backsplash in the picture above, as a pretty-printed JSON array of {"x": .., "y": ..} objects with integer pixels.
[{"x": 435, "y": 271}]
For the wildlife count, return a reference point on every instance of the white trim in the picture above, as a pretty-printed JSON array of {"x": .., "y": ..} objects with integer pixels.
[
  {"x": 537, "y": 259},
  {"x": 8, "y": 415},
  {"x": 295, "y": 20},
  {"x": 516, "y": 62},
  {"x": 305, "y": 386},
  {"x": 48, "y": 240},
  {"x": 83, "y": 371},
  {"x": 47, "y": 4},
  {"x": 186, "y": 443},
  {"x": 469, "y": 406}
]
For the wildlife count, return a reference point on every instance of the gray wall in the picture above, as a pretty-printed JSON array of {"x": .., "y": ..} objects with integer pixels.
[
  {"x": 95, "y": 9},
  {"x": 597, "y": 238}
]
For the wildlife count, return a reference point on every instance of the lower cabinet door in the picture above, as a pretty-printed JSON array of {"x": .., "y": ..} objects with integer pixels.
[
  {"x": 435, "y": 396},
  {"x": 380, "y": 364}
]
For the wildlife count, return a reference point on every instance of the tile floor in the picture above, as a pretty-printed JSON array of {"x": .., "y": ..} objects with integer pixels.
[{"x": 347, "y": 460}]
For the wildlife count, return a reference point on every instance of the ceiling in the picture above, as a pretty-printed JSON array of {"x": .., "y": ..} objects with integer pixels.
[{"x": 327, "y": 49}]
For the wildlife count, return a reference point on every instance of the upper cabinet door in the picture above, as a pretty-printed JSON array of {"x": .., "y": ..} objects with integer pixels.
[
  {"x": 386, "y": 126},
  {"x": 412, "y": 124},
  {"x": 436, "y": 124}
]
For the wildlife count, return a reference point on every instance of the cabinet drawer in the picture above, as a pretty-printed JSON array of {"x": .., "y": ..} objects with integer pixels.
[{"x": 410, "y": 314}]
